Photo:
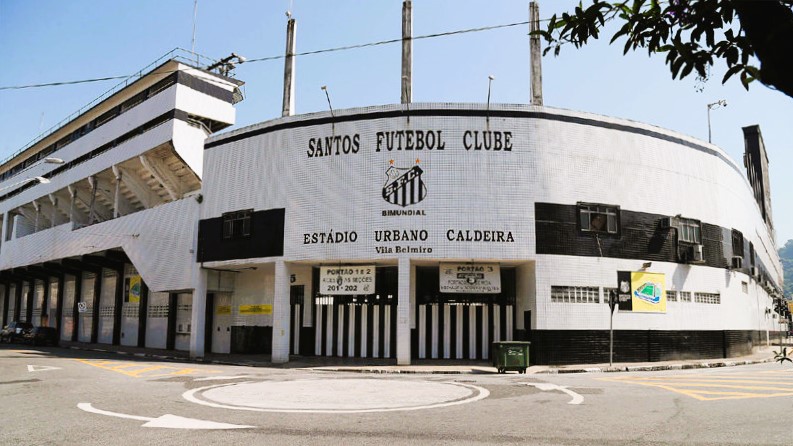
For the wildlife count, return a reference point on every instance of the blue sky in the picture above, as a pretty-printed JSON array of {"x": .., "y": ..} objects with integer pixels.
[{"x": 50, "y": 41}]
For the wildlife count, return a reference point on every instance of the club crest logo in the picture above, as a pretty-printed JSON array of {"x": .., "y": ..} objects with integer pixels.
[{"x": 404, "y": 186}]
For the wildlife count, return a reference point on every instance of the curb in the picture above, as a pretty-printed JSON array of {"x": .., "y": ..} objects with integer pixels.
[
  {"x": 382, "y": 371},
  {"x": 655, "y": 368}
]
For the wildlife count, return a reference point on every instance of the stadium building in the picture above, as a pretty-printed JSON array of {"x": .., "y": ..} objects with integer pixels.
[{"x": 408, "y": 231}]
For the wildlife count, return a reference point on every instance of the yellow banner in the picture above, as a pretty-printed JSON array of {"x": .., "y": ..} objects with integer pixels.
[
  {"x": 256, "y": 309},
  {"x": 223, "y": 309},
  {"x": 134, "y": 289},
  {"x": 648, "y": 292}
]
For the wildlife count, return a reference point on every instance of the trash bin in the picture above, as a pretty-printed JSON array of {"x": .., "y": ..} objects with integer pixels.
[{"x": 511, "y": 355}]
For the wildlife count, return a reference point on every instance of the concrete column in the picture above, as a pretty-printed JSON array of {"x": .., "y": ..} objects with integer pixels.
[
  {"x": 288, "y": 108},
  {"x": 403, "y": 313},
  {"x": 197, "y": 319},
  {"x": 535, "y": 55},
  {"x": 281, "y": 312},
  {"x": 6, "y": 229},
  {"x": 407, "y": 52}
]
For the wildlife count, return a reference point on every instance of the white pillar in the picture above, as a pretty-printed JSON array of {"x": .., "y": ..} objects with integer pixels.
[
  {"x": 403, "y": 313},
  {"x": 281, "y": 312},
  {"x": 198, "y": 318},
  {"x": 6, "y": 229}
]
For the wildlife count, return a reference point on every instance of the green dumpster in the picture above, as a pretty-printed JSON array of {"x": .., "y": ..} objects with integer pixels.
[{"x": 510, "y": 355}]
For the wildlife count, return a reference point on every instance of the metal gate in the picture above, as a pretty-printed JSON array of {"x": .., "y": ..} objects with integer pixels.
[
  {"x": 346, "y": 327},
  {"x": 462, "y": 330}
]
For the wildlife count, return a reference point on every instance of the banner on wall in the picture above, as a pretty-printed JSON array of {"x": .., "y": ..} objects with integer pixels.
[
  {"x": 482, "y": 278},
  {"x": 132, "y": 290},
  {"x": 246, "y": 310},
  {"x": 641, "y": 292},
  {"x": 346, "y": 280}
]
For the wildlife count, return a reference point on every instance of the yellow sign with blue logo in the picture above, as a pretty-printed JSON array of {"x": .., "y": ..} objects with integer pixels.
[{"x": 648, "y": 292}]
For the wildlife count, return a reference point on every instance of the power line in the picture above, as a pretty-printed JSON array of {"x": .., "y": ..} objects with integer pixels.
[
  {"x": 53, "y": 84},
  {"x": 305, "y": 53}
]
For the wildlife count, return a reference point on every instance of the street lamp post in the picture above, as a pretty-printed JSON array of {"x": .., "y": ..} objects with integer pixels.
[{"x": 713, "y": 106}]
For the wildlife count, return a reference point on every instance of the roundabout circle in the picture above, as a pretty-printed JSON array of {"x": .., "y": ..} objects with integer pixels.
[{"x": 341, "y": 395}]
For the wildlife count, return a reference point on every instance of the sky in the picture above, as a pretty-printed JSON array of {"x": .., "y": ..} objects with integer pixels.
[{"x": 43, "y": 41}]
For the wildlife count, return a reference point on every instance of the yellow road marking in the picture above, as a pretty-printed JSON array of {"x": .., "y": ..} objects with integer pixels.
[
  {"x": 702, "y": 387},
  {"x": 138, "y": 370}
]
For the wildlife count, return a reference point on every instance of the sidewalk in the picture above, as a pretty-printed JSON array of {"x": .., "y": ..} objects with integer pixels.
[{"x": 451, "y": 367}]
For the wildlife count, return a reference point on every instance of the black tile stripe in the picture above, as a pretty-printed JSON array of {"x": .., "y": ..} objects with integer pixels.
[
  {"x": 428, "y": 330},
  {"x": 466, "y": 333},
  {"x": 346, "y": 320},
  {"x": 369, "y": 330},
  {"x": 358, "y": 309},
  {"x": 334, "y": 346},
  {"x": 393, "y": 331},
  {"x": 479, "y": 332},
  {"x": 441, "y": 327},
  {"x": 470, "y": 113},
  {"x": 503, "y": 323},
  {"x": 381, "y": 332},
  {"x": 452, "y": 332}
]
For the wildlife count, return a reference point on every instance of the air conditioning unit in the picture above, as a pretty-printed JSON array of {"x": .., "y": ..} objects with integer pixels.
[
  {"x": 737, "y": 262},
  {"x": 696, "y": 254}
]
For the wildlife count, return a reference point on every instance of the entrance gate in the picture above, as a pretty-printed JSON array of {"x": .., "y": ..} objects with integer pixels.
[
  {"x": 461, "y": 326},
  {"x": 347, "y": 328},
  {"x": 356, "y": 326},
  {"x": 462, "y": 330}
]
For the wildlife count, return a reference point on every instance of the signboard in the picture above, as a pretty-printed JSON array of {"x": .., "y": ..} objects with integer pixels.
[
  {"x": 223, "y": 309},
  {"x": 247, "y": 310},
  {"x": 483, "y": 278},
  {"x": 132, "y": 291},
  {"x": 641, "y": 292},
  {"x": 346, "y": 280}
]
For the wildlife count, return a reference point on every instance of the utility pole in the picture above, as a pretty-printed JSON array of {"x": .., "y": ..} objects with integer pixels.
[{"x": 535, "y": 56}]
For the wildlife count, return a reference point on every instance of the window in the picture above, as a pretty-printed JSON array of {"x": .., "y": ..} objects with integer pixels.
[
  {"x": 598, "y": 218},
  {"x": 690, "y": 231},
  {"x": 737, "y": 243},
  {"x": 237, "y": 224},
  {"x": 671, "y": 295},
  {"x": 745, "y": 287},
  {"x": 707, "y": 298},
  {"x": 685, "y": 296},
  {"x": 575, "y": 294}
]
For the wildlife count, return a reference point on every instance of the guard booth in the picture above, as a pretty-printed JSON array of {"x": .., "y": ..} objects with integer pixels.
[
  {"x": 462, "y": 321},
  {"x": 361, "y": 325}
]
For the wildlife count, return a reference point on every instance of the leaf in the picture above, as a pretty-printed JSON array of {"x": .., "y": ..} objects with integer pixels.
[{"x": 734, "y": 69}]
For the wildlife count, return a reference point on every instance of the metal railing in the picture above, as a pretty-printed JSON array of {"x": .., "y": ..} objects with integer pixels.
[{"x": 178, "y": 54}]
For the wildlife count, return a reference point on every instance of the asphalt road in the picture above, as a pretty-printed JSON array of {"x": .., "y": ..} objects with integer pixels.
[{"x": 57, "y": 396}]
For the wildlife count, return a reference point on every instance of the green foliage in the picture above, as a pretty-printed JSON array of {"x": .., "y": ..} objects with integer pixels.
[
  {"x": 782, "y": 356},
  {"x": 786, "y": 256},
  {"x": 691, "y": 33}
]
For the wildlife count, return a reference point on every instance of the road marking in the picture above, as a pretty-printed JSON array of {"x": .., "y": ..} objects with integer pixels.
[
  {"x": 190, "y": 395},
  {"x": 545, "y": 387},
  {"x": 707, "y": 387},
  {"x": 41, "y": 368},
  {"x": 167, "y": 421},
  {"x": 143, "y": 370},
  {"x": 224, "y": 378}
]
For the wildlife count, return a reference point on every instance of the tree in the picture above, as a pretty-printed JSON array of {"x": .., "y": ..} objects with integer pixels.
[
  {"x": 786, "y": 256},
  {"x": 693, "y": 34}
]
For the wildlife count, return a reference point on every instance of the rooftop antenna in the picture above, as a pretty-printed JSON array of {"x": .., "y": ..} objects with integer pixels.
[
  {"x": 192, "y": 44},
  {"x": 490, "y": 79},
  {"x": 333, "y": 116}
]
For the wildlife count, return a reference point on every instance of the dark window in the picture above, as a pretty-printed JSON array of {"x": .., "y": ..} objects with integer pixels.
[
  {"x": 599, "y": 218},
  {"x": 237, "y": 224},
  {"x": 737, "y": 243}
]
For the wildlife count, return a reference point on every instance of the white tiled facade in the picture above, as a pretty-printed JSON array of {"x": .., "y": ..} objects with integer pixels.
[{"x": 556, "y": 156}]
